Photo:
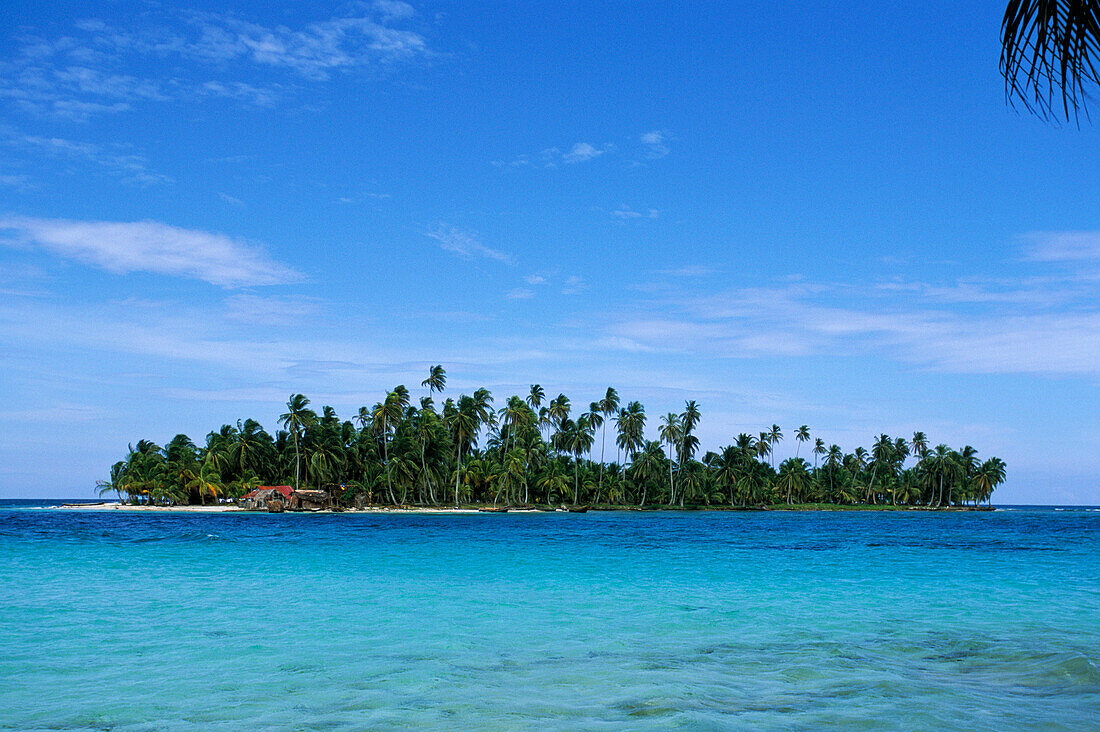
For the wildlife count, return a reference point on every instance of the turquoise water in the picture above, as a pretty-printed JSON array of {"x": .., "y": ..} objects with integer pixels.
[{"x": 508, "y": 621}]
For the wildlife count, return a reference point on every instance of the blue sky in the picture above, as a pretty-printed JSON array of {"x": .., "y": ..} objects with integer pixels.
[{"x": 791, "y": 212}]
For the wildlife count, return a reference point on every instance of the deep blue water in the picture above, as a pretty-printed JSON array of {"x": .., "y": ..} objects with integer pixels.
[{"x": 906, "y": 620}]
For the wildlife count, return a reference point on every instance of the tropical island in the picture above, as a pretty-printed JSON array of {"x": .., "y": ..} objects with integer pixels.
[{"x": 532, "y": 452}]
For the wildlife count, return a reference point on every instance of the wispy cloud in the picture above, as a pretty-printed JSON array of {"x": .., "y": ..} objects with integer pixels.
[
  {"x": 14, "y": 181},
  {"x": 626, "y": 213},
  {"x": 584, "y": 151},
  {"x": 656, "y": 144},
  {"x": 394, "y": 10},
  {"x": 95, "y": 68},
  {"x": 124, "y": 164},
  {"x": 315, "y": 50},
  {"x": 520, "y": 293},
  {"x": 1063, "y": 246},
  {"x": 270, "y": 311},
  {"x": 249, "y": 94},
  {"x": 691, "y": 270},
  {"x": 553, "y": 157},
  {"x": 150, "y": 246},
  {"x": 574, "y": 285},
  {"x": 465, "y": 244},
  {"x": 808, "y": 319},
  {"x": 535, "y": 279}
]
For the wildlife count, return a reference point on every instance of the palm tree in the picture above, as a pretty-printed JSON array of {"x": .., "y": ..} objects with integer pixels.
[
  {"x": 646, "y": 466},
  {"x": 386, "y": 414},
  {"x": 463, "y": 423},
  {"x": 671, "y": 432},
  {"x": 595, "y": 419},
  {"x": 763, "y": 445},
  {"x": 207, "y": 482},
  {"x": 1048, "y": 50},
  {"x": 689, "y": 443},
  {"x": 774, "y": 437},
  {"x": 436, "y": 381},
  {"x": 558, "y": 411},
  {"x": 536, "y": 397},
  {"x": 296, "y": 419},
  {"x": 251, "y": 447},
  {"x": 583, "y": 439},
  {"x": 512, "y": 415},
  {"x": 729, "y": 472},
  {"x": 631, "y": 428},
  {"x": 819, "y": 449},
  {"x": 608, "y": 406},
  {"x": 919, "y": 445},
  {"x": 802, "y": 434},
  {"x": 552, "y": 482},
  {"x": 988, "y": 476},
  {"x": 882, "y": 455},
  {"x": 834, "y": 459},
  {"x": 793, "y": 475},
  {"x": 941, "y": 465}
]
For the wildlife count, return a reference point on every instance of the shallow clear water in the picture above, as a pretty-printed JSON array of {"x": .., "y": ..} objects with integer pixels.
[{"x": 501, "y": 621}]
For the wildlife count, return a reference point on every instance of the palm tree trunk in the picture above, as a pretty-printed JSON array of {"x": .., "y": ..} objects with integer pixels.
[
  {"x": 603, "y": 446},
  {"x": 526, "y": 494},
  {"x": 671, "y": 485},
  {"x": 458, "y": 471},
  {"x": 424, "y": 472},
  {"x": 576, "y": 479},
  {"x": 297, "y": 461}
]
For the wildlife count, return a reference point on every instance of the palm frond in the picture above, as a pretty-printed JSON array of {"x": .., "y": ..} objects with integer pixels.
[{"x": 1048, "y": 48}]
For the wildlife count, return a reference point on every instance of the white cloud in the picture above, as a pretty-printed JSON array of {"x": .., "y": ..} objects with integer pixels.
[
  {"x": 553, "y": 157},
  {"x": 574, "y": 285},
  {"x": 691, "y": 270},
  {"x": 583, "y": 151},
  {"x": 315, "y": 50},
  {"x": 1064, "y": 246},
  {"x": 270, "y": 311},
  {"x": 465, "y": 244},
  {"x": 520, "y": 293},
  {"x": 14, "y": 181},
  {"x": 626, "y": 213},
  {"x": 233, "y": 201},
  {"x": 806, "y": 319},
  {"x": 394, "y": 9},
  {"x": 94, "y": 68},
  {"x": 535, "y": 279},
  {"x": 115, "y": 160},
  {"x": 656, "y": 143},
  {"x": 150, "y": 246},
  {"x": 256, "y": 96}
]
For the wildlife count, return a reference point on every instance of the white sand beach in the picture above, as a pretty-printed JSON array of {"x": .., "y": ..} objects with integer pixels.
[{"x": 228, "y": 508}]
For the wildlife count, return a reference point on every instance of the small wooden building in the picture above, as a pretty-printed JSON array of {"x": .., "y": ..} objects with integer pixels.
[
  {"x": 308, "y": 500},
  {"x": 258, "y": 499}
]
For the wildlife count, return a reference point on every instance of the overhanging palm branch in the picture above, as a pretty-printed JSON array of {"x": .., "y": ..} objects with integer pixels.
[{"x": 1048, "y": 49}]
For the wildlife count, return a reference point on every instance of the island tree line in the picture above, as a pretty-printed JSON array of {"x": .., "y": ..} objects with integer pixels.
[{"x": 539, "y": 450}]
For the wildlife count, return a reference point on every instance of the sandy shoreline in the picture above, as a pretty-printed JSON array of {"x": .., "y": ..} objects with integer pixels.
[{"x": 225, "y": 508}]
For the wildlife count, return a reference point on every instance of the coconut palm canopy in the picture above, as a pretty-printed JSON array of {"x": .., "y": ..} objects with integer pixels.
[
  {"x": 404, "y": 451},
  {"x": 1049, "y": 55}
]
